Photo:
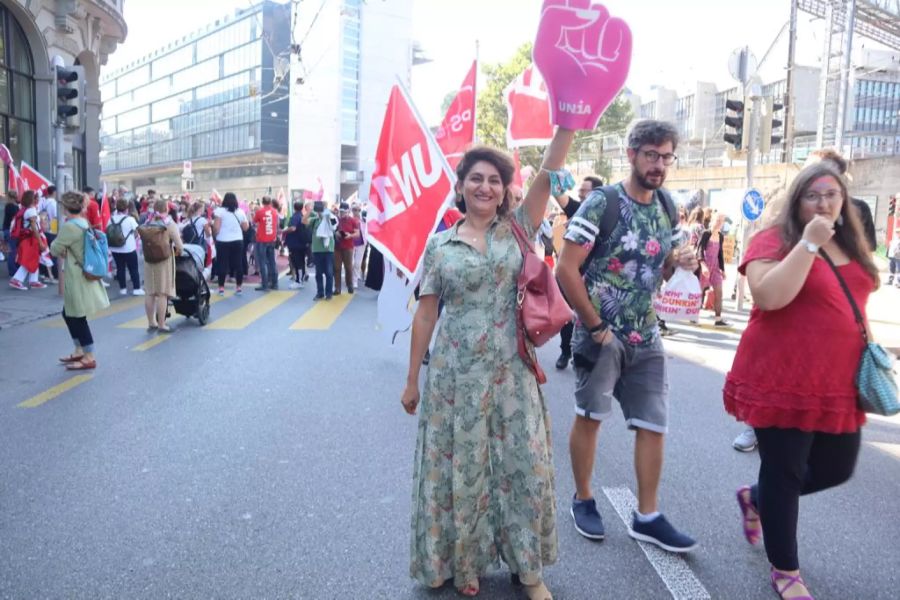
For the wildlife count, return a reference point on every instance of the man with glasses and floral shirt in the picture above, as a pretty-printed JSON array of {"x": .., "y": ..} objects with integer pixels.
[{"x": 617, "y": 350}]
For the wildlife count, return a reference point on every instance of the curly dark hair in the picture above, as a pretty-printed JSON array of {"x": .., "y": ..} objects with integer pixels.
[
  {"x": 500, "y": 160},
  {"x": 652, "y": 132}
]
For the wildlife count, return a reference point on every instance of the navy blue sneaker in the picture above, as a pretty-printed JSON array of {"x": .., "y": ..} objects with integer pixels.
[
  {"x": 588, "y": 521},
  {"x": 660, "y": 532}
]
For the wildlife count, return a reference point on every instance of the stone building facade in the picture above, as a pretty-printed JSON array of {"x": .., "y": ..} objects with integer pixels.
[{"x": 36, "y": 34}]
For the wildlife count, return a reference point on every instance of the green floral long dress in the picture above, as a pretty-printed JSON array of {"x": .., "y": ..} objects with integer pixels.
[{"x": 483, "y": 478}]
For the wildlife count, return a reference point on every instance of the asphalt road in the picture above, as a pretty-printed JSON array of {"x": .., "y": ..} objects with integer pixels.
[{"x": 258, "y": 461}]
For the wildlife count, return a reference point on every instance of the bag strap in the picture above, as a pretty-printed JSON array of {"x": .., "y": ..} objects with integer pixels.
[
  {"x": 856, "y": 312},
  {"x": 522, "y": 239},
  {"x": 607, "y": 224}
]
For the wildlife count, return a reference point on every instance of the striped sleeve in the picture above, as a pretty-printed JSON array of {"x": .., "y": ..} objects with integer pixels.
[{"x": 584, "y": 227}]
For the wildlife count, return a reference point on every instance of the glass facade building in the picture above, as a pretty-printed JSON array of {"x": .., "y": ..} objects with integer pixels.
[
  {"x": 876, "y": 117},
  {"x": 17, "y": 106},
  {"x": 215, "y": 98}
]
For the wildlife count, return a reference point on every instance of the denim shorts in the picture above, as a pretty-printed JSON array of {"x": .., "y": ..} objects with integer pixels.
[{"x": 635, "y": 376}]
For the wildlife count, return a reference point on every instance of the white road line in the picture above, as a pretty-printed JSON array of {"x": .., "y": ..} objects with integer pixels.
[{"x": 671, "y": 568}]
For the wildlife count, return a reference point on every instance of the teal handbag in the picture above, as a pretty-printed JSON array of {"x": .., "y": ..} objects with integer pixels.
[{"x": 875, "y": 376}]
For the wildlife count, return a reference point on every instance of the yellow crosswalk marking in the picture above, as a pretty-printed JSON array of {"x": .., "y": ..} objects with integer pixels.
[
  {"x": 141, "y": 322},
  {"x": 323, "y": 314},
  {"x": 114, "y": 308},
  {"x": 247, "y": 314},
  {"x": 55, "y": 391},
  {"x": 152, "y": 342}
]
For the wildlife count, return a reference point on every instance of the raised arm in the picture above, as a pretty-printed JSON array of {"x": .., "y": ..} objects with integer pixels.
[{"x": 535, "y": 202}]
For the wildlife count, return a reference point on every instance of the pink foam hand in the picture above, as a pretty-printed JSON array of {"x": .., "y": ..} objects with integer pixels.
[
  {"x": 5, "y": 155},
  {"x": 584, "y": 55}
]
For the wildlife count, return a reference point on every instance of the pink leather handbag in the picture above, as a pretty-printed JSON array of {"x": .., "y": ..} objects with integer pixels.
[{"x": 541, "y": 309}]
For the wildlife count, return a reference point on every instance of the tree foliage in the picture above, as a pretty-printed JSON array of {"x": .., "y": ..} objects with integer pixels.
[{"x": 492, "y": 117}]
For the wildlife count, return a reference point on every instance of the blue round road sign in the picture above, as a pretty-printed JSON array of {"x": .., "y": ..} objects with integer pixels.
[{"x": 753, "y": 204}]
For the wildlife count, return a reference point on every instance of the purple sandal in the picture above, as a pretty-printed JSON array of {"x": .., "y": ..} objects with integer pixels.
[
  {"x": 750, "y": 514},
  {"x": 789, "y": 581}
]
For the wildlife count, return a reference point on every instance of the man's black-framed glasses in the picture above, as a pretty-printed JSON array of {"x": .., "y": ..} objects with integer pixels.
[{"x": 652, "y": 156}]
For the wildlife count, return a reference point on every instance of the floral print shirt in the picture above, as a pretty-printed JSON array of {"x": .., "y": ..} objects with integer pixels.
[{"x": 626, "y": 273}]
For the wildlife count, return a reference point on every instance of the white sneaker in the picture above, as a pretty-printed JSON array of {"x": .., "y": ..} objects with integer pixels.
[
  {"x": 295, "y": 286},
  {"x": 105, "y": 283},
  {"x": 138, "y": 292},
  {"x": 746, "y": 441}
]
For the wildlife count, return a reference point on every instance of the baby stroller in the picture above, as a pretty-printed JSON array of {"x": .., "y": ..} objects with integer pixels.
[{"x": 191, "y": 288}]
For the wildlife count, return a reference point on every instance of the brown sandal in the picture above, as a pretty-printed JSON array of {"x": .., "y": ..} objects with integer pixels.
[
  {"x": 70, "y": 358},
  {"x": 82, "y": 365}
]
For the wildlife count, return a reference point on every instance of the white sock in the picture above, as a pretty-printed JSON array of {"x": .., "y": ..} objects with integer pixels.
[{"x": 645, "y": 518}]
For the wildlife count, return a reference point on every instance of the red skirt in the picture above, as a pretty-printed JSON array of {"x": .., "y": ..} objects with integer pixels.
[{"x": 28, "y": 254}]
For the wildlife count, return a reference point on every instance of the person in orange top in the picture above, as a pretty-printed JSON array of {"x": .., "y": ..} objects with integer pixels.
[{"x": 266, "y": 220}]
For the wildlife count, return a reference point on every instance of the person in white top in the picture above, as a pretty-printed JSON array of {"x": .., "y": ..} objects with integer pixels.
[
  {"x": 49, "y": 219},
  {"x": 229, "y": 225},
  {"x": 126, "y": 256}
]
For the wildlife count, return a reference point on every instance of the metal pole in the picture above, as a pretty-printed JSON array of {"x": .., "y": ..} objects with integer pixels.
[
  {"x": 823, "y": 80},
  {"x": 789, "y": 110},
  {"x": 850, "y": 23},
  {"x": 60, "y": 159},
  {"x": 745, "y": 225}
]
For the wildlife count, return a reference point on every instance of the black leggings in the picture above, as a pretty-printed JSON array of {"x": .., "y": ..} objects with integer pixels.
[
  {"x": 230, "y": 257},
  {"x": 298, "y": 261},
  {"x": 795, "y": 463},
  {"x": 565, "y": 338},
  {"x": 127, "y": 260},
  {"x": 80, "y": 332}
]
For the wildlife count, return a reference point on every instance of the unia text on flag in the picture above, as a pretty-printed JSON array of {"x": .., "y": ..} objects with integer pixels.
[
  {"x": 411, "y": 190},
  {"x": 412, "y": 186},
  {"x": 457, "y": 131},
  {"x": 528, "y": 110}
]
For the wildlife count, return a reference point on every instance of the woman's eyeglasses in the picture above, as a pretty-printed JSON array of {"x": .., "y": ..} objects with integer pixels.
[{"x": 815, "y": 197}]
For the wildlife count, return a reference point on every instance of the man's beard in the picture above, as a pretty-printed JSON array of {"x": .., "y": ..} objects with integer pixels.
[{"x": 644, "y": 180}]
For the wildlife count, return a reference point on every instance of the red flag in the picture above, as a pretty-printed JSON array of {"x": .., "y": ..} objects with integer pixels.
[
  {"x": 12, "y": 178},
  {"x": 412, "y": 185},
  {"x": 17, "y": 183},
  {"x": 457, "y": 131},
  {"x": 528, "y": 110},
  {"x": 104, "y": 209},
  {"x": 34, "y": 180}
]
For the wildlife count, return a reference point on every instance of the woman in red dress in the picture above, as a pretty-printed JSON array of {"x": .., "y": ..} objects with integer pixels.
[
  {"x": 793, "y": 378},
  {"x": 28, "y": 252}
]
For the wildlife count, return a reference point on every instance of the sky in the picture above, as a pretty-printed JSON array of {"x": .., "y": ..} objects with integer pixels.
[{"x": 675, "y": 43}]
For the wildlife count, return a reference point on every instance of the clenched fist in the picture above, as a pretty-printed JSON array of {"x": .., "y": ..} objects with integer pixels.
[{"x": 819, "y": 230}]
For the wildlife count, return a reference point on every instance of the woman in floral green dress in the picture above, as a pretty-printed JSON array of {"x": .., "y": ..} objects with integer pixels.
[{"x": 483, "y": 479}]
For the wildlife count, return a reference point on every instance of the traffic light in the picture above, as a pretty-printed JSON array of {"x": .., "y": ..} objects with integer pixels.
[
  {"x": 768, "y": 132},
  {"x": 70, "y": 96},
  {"x": 740, "y": 123}
]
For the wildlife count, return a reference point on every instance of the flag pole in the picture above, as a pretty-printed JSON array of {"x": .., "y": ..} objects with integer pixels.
[{"x": 475, "y": 94}]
